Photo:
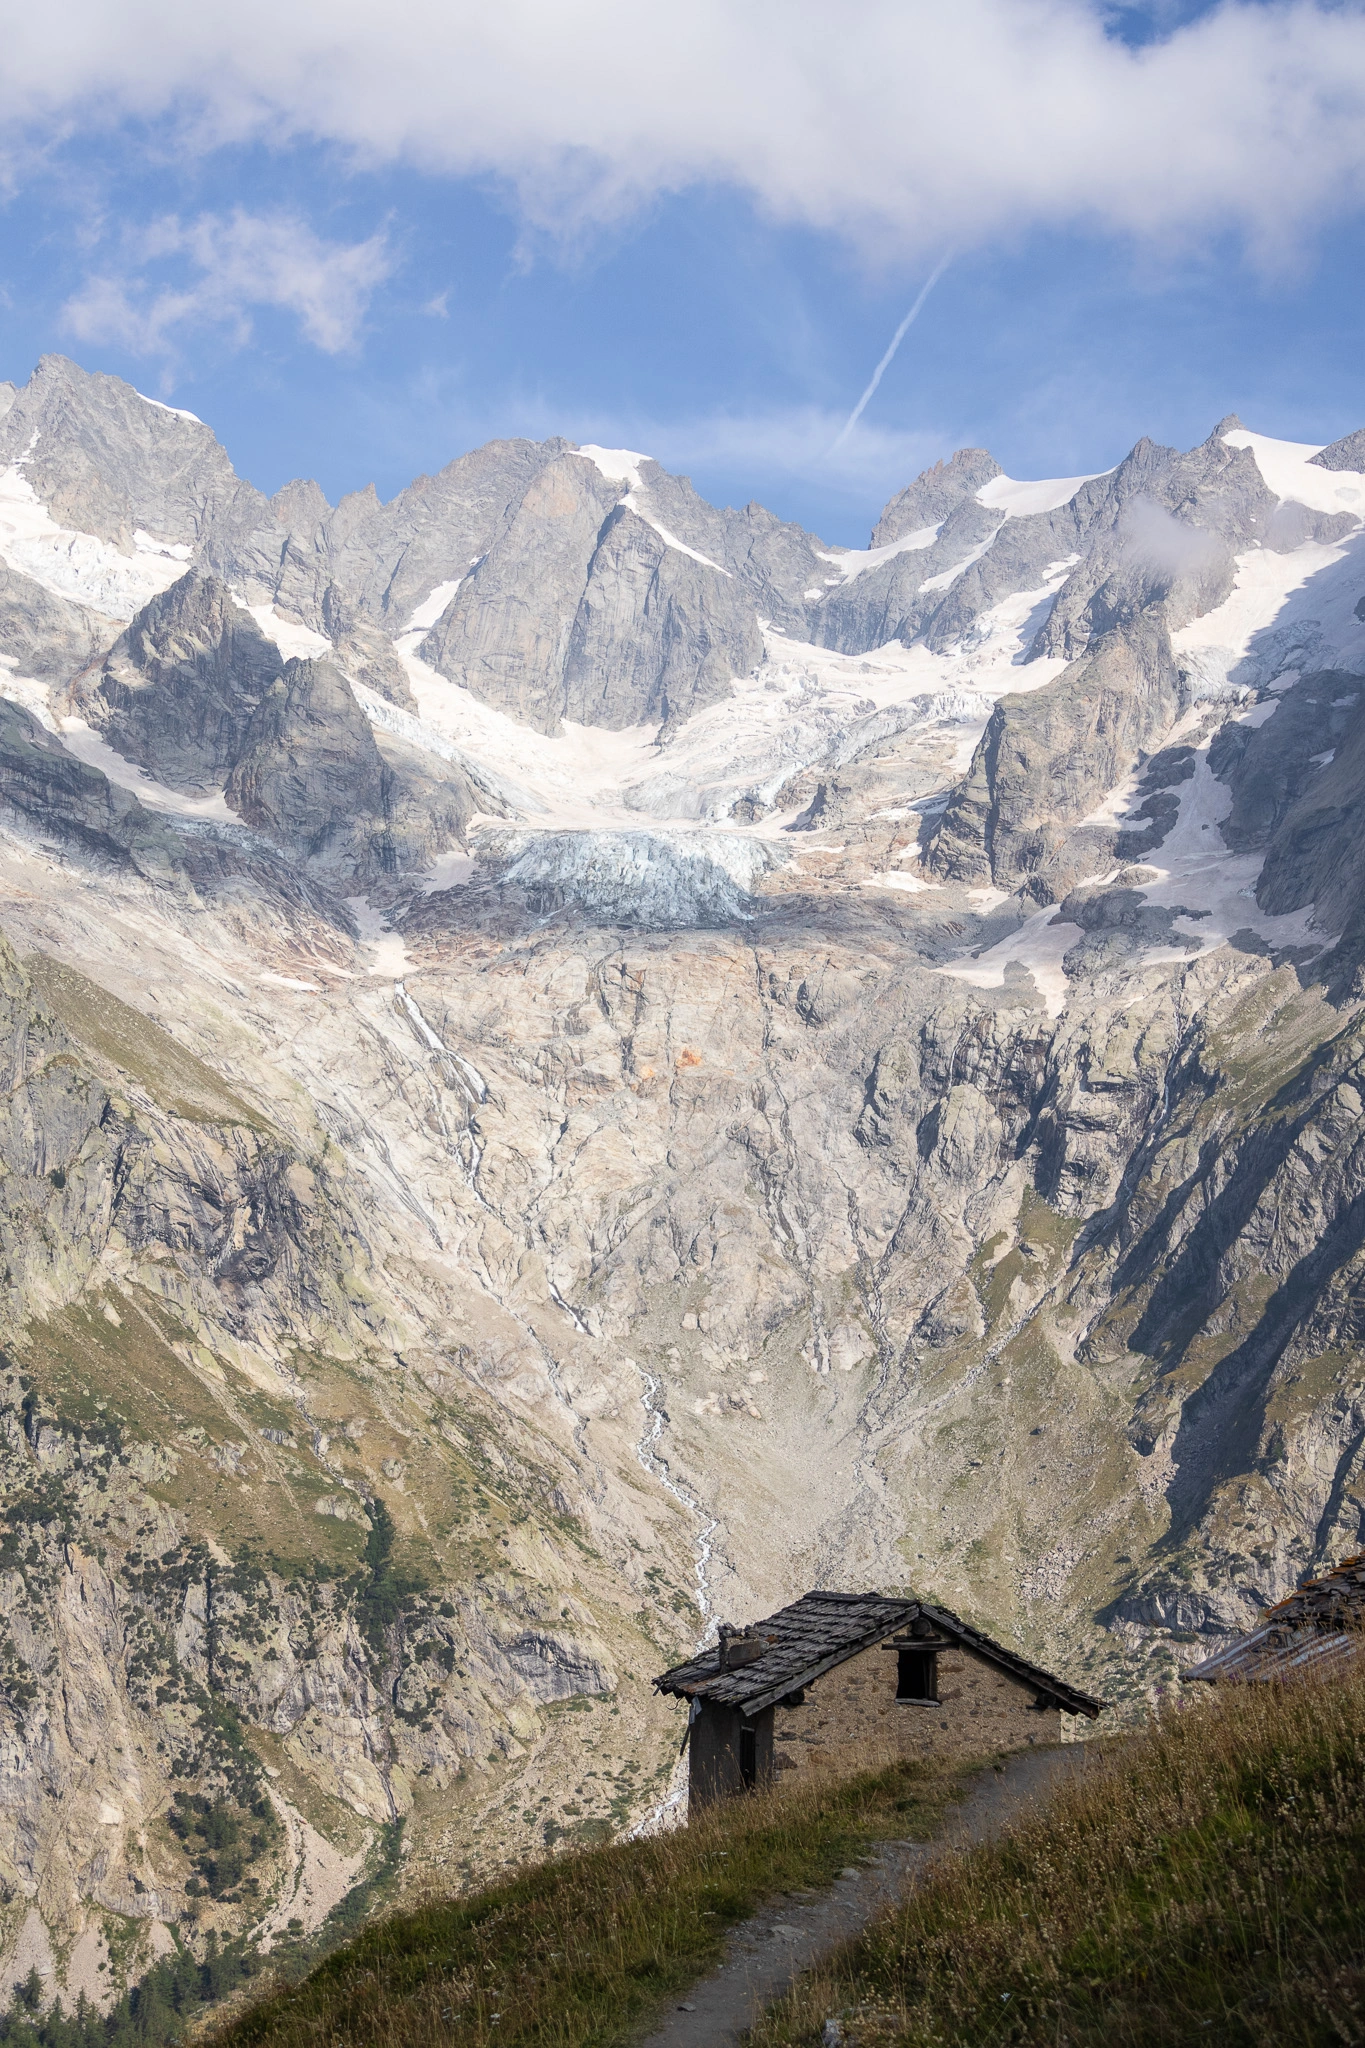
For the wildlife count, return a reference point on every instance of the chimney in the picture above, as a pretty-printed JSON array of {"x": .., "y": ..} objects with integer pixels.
[{"x": 736, "y": 1647}]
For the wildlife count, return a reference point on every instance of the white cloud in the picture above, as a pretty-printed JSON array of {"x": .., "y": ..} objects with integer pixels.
[
  {"x": 231, "y": 263},
  {"x": 904, "y": 124}
]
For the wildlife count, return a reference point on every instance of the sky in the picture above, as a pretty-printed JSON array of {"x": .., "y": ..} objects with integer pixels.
[{"x": 358, "y": 241}]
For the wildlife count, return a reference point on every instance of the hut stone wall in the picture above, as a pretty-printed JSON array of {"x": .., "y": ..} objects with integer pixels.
[{"x": 851, "y": 1716}]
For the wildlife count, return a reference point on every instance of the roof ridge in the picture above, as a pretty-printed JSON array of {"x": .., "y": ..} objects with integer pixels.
[{"x": 823, "y": 1628}]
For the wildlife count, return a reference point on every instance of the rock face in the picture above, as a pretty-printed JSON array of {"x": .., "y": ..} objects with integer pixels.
[
  {"x": 582, "y": 609},
  {"x": 108, "y": 462},
  {"x": 541, "y": 1112},
  {"x": 935, "y": 495},
  {"x": 1045, "y": 760},
  {"x": 309, "y": 767},
  {"x": 312, "y": 776},
  {"x": 43, "y": 783},
  {"x": 393, "y": 556},
  {"x": 506, "y": 632},
  {"x": 1347, "y": 453},
  {"x": 178, "y": 690},
  {"x": 43, "y": 635},
  {"x": 657, "y": 635}
]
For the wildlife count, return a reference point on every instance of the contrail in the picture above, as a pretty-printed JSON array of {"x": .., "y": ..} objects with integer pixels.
[{"x": 897, "y": 338}]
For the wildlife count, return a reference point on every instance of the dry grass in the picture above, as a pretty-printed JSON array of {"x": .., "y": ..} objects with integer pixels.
[
  {"x": 581, "y": 1951},
  {"x": 1203, "y": 1882}
]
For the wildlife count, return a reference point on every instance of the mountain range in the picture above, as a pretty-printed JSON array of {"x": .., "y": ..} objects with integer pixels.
[{"x": 578, "y": 1063}]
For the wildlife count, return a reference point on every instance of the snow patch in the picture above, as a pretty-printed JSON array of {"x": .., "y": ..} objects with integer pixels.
[
  {"x": 80, "y": 739},
  {"x": 1019, "y": 500},
  {"x": 77, "y": 566},
  {"x": 35, "y": 697},
  {"x": 148, "y": 544},
  {"x": 428, "y": 738},
  {"x": 617, "y": 465},
  {"x": 947, "y": 577},
  {"x": 176, "y": 411},
  {"x": 569, "y": 1310},
  {"x": 1290, "y": 472},
  {"x": 388, "y": 955},
  {"x": 292, "y": 639},
  {"x": 1286, "y": 614},
  {"x": 1039, "y": 946},
  {"x": 912, "y": 884},
  {"x": 633, "y": 504},
  {"x": 851, "y": 562},
  {"x": 1195, "y": 870},
  {"x": 447, "y": 871},
  {"x": 432, "y": 606}
]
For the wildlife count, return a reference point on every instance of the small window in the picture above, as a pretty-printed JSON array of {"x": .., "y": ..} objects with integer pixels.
[{"x": 916, "y": 1675}]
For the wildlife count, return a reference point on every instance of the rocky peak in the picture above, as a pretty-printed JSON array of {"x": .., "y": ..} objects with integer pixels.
[
  {"x": 507, "y": 631},
  {"x": 310, "y": 774},
  {"x": 1347, "y": 453},
  {"x": 301, "y": 504},
  {"x": 180, "y": 685},
  {"x": 1163, "y": 529},
  {"x": 109, "y": 462},
  {"x": 934, "y": 494}
]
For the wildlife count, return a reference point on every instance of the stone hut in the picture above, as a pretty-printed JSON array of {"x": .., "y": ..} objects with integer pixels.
[
  {"x": 854, "y": 1677},
  {"x": 1319, "y": 1628}
]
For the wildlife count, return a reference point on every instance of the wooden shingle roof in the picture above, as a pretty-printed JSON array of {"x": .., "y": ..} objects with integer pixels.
[
  {"x": 1321, "y": 1623},
  {"x": 821, "y": 1630}
]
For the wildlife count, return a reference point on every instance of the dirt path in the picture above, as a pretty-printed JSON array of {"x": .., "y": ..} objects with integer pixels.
[{"x": 765, "y": 1955}]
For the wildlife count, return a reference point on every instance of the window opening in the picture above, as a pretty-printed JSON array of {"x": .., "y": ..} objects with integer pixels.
[{"x": 916, "y": 1675}]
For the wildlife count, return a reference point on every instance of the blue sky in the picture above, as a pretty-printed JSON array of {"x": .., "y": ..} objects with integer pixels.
[{"x": 343, "y": 292}]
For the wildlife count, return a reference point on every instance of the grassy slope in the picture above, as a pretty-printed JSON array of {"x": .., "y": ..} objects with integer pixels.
[
  {"x": 1203, "y": 1883},
  {"x": 583, "y": 1949}
]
